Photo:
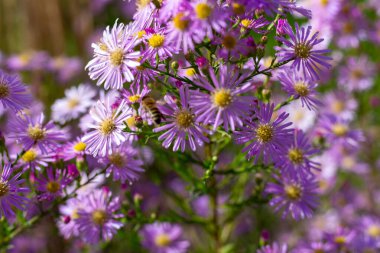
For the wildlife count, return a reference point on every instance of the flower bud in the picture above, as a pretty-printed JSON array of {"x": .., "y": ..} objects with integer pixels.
[
  {"x": 282, "y": 27},
  {"x": 174, "y": 65}
]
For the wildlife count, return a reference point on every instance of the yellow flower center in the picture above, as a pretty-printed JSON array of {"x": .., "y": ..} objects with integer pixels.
[
  {"x": 238, "y": 9},
  {"x": 264, "y": 133},
  {"x": 246, "y": 23},
  {"x": 4, "y": 91},
  {"x": 339, "y": 129},
  {"x": 324, "y": 2},
  {"x": 340, "y": 239},
  {"x": 157, "y": 40},
  {"x": 75, "y": 214},
  {"x": 107, "y": 126},
  {"x": 117, "y": 159},
  {"x": 36, "y": 133},
  {"x": 373, "y": 231},
  {"x": 222, "y": 98},
  {"x": 302, "y": 51},
  {"x": 184, "y": 119},
  {"x": 53, "y": 186},
  {"x": 337, "y": 106},
  {"x": 229, "y": 42},
  {"x": 357, "y": 74},
  {"x": 293, "y": 192},
  {"x": 80, "y": 146},
  {"x": 140, "y": 34},
  {"x": 99, "y": 217},
  {"x": 190, "y": 72},
  {"x": 72, "y": 103},
  {"x": 203, "y": 10},
  {"x": 348, "y": 28},
  {"x": 4, "y": 188},
  {"x": 103, "y": 46},
  {"x": 301, "y": 89},
  {"x": 162, "y": 240},
  {"x": 29, "y": 156},
  {"x": 131, "y": 122},
  {"x": 116, "y": 57},
  {"x": 179, "y": 22},
  {"x": 295, "y": 155},
  {"x": 134, "y": 98}
]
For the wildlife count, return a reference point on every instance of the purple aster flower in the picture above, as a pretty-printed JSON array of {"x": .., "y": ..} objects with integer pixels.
[
  {"x": 113, "y": 58},
  {"x": 143, "y": 75},
  {"x": 157, "y": 45},
  {"x": 10, "y": 190},
  {"x": 223, "y": 103},
  {"x": 34, "y": 159},
  {"x": 97, "y": 218},
  {"x": 269, "y": 135},
  {"x": 135, "y": 94},
  {"x": 124, "y": 163},
  {"x": 370, "y": 228},
  {"x": 73, "y": 149},
  {"x": 52, "y": 186},
  {"x": 69, "y": 214},
  {"x": 301, "y": 48},
  {"x": 30, "y": 131},
  {"x": 341, "y": 239},
  {"x": 274, "y": 248},
  {"x": 295, "y": 195},
  {"x": 297, "y": 159},
  {"x": 13, "y": 93},
  {"x": 231, "y": 46},
  {"x": 255, "y": 25},
  {"x": 163, "y": 238},
  {"x": 314, "y": 247},
  {"x": 182, "y": 127},
  {"x": 66, "y": 68},
  {"x": 341, "y": 104},
  {"x": 357, "y": 75},
  {"x": 300, "y": 87},
  {"x": 107, "y": 128}
]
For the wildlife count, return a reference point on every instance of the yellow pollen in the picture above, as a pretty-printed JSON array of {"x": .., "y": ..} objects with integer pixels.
[
  {"x": 162, "y": 240},
  {"x": 190, "y": 72},
  {"x": 203, "y": 10},
  {"x": 36, "y": 133},
  {"x": 324, "y": 2},
  {"x": 340, "y": 240},
  {"x": 373, "y": 231},
  {"x": 238, "y": 9},
  {"x": 131, "y": 122},
  {"x": 222, "y": 98},
  {"x": 337, "y": 106},
  {"x": 246, "y": 23},
  {"x": 29, "y": 156},
  {"x": 116, "y": 57},
  {"x": 264, "y": 133},
  {"x": 103, "y": 46},
  {"x": 53, "y": 186},
  {"x": 99, "y": 217},
  {"x": 301, "y": 89},
  {"x": 180, "y": 23},
  {"x": 157, "y": 40},
  {"x": 302, "y": 50},
  {"x": 339, "y": 129},
  {"x": 107, "y": 126},
  {"x": 134, "y": 98},
  {"x": 4, "y": 188},
  {"x": 4, "y": 91},
  {"x": 295, "y": 155},
  {"x": 184, "y": 119},
  {"x": 141, "y": 34},
  {"x": 293, "y": 192},
  {"x": 117, "y": 160},
  {"x": 80, "y": 146},
  {"x": 72, "y": 103},
  {"x": 229, "y": 42}
]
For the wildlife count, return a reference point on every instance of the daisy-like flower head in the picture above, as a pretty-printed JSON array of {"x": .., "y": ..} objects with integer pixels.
[
  {"x": 301, "y": 48},
  {"x": 315, "y": 247},
  {"x": 301, "y": 117},
  {"x": 157, "y": 44},
  {"x": 77, "y": 100},
  {"x": 341, "y": 238},
  {"x": 255, "y": 25},
  {"x": 341, "y": 104},
  {"x": 107, "y": 128},
  {"x": 297, "y": 159},
  {"x": 269, "y": 135},
  {"x": 52, "y": 186},
  {"x": 231, "y": 46},
  {"x": 294, "y": 195},
  {"x": 223, "y": 103},
  {"x": 370, "y": 227},
  {"x": 124, "y": 163},
  {"x": 163, "y": 238},
  {"x": 74, "y": 149},
  {"x": 143, "y": 75},
  {"x": 274, "y": 248},
  {"x": 300, "y": 87},
  {"x": 30, "y": 131},
  {"x": 114, "y": 58},
  {"x": 97, "y": 218},
  {"x": 182, "y": 127},
  {"x": 69, "y": 214},
  {"x": 135, "y": 94},
  {"x": 10, "y": 193},
  {"x": 33, "y": 159},
  {"x": 13, "y": 93}
]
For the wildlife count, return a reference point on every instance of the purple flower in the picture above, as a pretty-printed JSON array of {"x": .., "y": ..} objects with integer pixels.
[
  {"x": 69, "y": 214},
  {"x": 113, "y": 58},
  {"x": 124, "y": 163},
  {"x": 269, "y": 136},
  {"x": 52, "y": 186},
  {"x": 163, "y": 238},
  {"x": 135, "y": 94},
  {"x": 295, "y": 195},
  {"x": 30, "y": 131},
  {"x": 274, "y": 248},
  {"x": 73, "y": 149},
  {"x": 341, "y": 239},
  {"x": 340, "y": 104},
  {"x": 300, "y": 87},
  {"x": 107, "y": 128},
  {"x": 157, "y": 45},
  {"x": 301, "y": 48},
  {"x": 13, "y": 93},
  {"x": 97, "y": 217},
  {"x": 182, "y": 126},
  {"x": 314, "y": 247},
  {"x": 33, "y": 159},
  {"x": 223, "y": 103},
  {"x": 10, "y": 198}
]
